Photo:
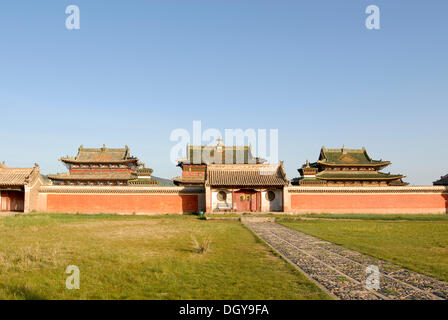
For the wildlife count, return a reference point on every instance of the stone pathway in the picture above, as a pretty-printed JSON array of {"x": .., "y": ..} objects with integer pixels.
[{"x": 342, "y": 272}]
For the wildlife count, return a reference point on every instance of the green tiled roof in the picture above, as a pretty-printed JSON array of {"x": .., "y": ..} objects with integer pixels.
[
  {"x": 220, "y": 155},
  {"x": 142, "y": 182},
  {"x": 344, "y": 156},
  {"x": 375, "y": 175},
  {"x": 101, "y": 155}
]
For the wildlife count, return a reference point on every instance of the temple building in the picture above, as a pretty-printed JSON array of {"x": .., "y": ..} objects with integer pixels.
[
  {"x": 443, "y": 181},
  {"x": 194, "y": 166},
  {"x": 102, "y": 166},
  {"x": 19, "y": 188},
  {"x": 234, "y": 179},
  {"x": 143, "y": 177},
  {"x": 346, "y": 167}
]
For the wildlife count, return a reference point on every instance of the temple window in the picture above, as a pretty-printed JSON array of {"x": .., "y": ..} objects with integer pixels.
[
  {"x": 222, "y": 196},
  {"x": 270, "y": 195}
]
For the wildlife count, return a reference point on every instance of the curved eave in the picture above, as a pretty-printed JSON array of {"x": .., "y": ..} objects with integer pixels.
[
  {"x": 74, "y": 161},
  {"x": 329, "y": 164},
  {"x": 84, "y": 178},
  {"x": 14, "y": 187},
  {"x": 361, "y": 179}
]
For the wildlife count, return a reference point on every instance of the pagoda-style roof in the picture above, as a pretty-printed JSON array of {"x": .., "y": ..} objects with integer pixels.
[
  {"x": 101, "y": 155},
  {"x": 357, "y": 175},
  {"x": 220, "y": 154},
  {"x": 143, "y": 178},
  {"x": 346, "y": 166},
  {"x": 144, "y": 171},
  {"x": 348, "y": 157},
  {"x": 94, "y": 176},
  {"x": 443, "y": 181},
  {"x": 245, "y": 175},
  {"x": 17, "y": 177},
  {"x": 189, "y": 180}
]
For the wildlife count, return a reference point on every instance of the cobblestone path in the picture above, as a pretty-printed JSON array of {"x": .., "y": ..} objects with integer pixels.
[{"x": 342, "y": 271}]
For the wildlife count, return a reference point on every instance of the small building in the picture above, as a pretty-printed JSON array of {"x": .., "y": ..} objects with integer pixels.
[
  {"x": 19, "y": 188},
  {"x": 245, "y": 187},
  {"x": 99, "y": 166},
  {"x": 443, "y": 181},
  {"x": 347, "y": 167}
]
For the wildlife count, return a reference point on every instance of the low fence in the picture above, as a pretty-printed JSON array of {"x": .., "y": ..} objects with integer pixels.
[
  {"x": 121, "y": 200},
  {"x": 378, "y": 200}
]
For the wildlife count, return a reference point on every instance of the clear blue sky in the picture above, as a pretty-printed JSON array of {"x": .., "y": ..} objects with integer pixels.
[{"x": 136, "y": 70}]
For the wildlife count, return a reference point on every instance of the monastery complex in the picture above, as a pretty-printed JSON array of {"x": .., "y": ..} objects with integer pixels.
[{"x": 220, "y": 179}]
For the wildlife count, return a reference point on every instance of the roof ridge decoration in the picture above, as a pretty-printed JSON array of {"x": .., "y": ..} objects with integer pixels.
[
  {"x": 101, "y": 155},
  {"x": 339, "y": 156}
]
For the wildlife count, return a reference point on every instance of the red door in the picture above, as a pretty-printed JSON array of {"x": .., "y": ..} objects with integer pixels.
[{"x": 246, "y": 200}]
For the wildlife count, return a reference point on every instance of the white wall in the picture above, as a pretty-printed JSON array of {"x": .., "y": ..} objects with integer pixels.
[
  {"x": 266, "y": 205},
  {"x": 274, "y": 205},
  {"x": 215, "y": 200}
]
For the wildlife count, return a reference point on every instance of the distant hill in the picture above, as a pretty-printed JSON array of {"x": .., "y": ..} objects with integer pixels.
[{"x": 163, "y": 181}]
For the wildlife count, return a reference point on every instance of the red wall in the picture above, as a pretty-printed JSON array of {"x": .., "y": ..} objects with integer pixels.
[
  {"x": 121, "y": 203},
  {"x": 369, "y": 203}
]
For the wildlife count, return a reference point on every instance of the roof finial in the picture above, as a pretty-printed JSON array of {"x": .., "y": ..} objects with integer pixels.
[
  {"x": 307, "y": 163},
  {"x": 104, "y": 147},
  {"x": 219, "y": 141}
]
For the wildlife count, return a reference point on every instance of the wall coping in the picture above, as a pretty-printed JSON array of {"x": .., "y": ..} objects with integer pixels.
[
  {"x": 404, "y": 189},
  {"x": 121, "y": 189}
]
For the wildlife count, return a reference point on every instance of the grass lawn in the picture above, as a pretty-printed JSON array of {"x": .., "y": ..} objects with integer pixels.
[
  {"x": 414, "y": 243},
  {"x": 141, "y": 257}
]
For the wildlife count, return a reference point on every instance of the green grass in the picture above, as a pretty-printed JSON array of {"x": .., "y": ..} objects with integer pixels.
[
  {"x": 415, "y": 244},
  {"x": 284, "y": 216},
  {"x": 412, "y": 217},
  {"x": 140, "y": 257}
]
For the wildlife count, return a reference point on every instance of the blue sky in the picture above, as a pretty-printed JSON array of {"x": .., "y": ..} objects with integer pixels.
[{"x": 136, "y": 70}]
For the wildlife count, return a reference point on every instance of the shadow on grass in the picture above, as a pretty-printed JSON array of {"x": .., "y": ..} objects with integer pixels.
[{"x": 22, "y": 292}]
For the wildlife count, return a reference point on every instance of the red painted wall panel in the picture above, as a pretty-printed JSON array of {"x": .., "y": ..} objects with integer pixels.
[
  {"x": 369, "y": 203},
  {"x": 122, "y": 203}
]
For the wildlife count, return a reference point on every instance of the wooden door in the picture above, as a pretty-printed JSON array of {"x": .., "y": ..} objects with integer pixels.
[
  {"x": 13, "y": 201},
  {"x": 246, "y": 200}
]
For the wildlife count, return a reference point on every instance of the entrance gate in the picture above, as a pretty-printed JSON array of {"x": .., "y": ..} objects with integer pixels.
[
  {"x": 247, "y": 200},
  {"x": 12, "y": 201}
]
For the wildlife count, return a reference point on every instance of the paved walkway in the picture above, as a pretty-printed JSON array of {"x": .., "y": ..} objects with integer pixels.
[{"x": 342, "y": 272}]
